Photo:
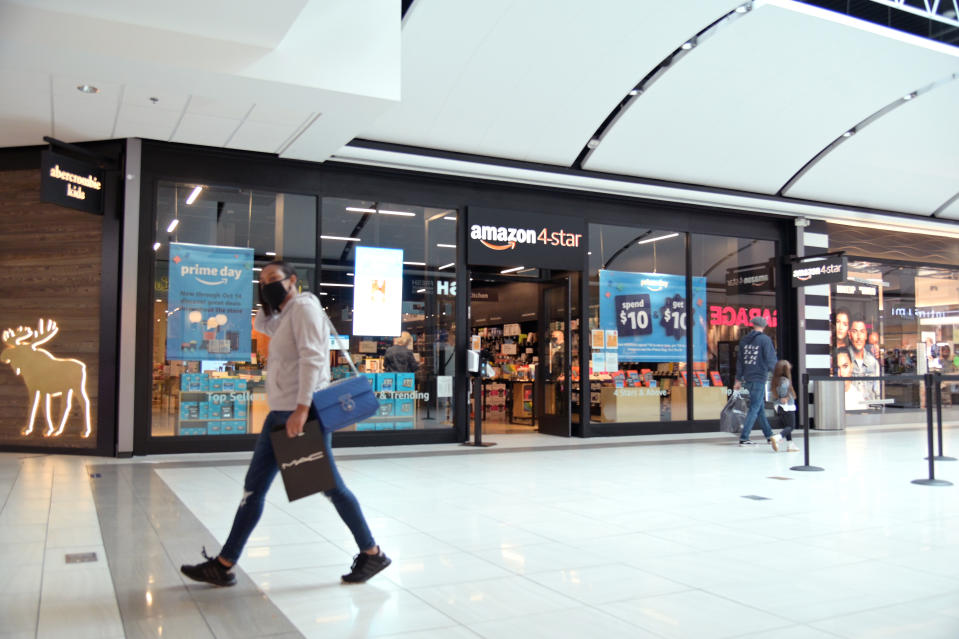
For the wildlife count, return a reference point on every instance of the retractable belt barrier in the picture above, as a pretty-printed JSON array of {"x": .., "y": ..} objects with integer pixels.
[{"x": 933, "y": 390}]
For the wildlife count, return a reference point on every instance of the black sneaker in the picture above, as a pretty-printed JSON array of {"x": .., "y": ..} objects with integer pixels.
[
  {"x": 365, "y": 566},
  {"x": 746, "y": 442},
  {"x": 210, "y": 571}
]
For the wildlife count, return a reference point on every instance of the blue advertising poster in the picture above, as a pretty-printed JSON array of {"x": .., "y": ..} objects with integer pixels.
[
  {"x": 211, "y": 294},
  {"x": 650, "y": 312}
]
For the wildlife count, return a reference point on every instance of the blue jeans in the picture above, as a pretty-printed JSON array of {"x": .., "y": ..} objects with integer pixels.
[
  {"x": 260, "y": 475},
  {"x": 757, "y": 410}
]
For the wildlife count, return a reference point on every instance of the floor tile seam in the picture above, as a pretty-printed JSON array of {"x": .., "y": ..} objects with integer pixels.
[
  {"x": 415, "y": 595},
  {"x": 139, "y": 503},
  {"x": 870, "y": 609},
  {"x": 43, "y": 563},
  {"x": 955, "y": 580}
]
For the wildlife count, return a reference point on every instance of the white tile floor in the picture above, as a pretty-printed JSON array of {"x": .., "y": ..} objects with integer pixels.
[{"x": 593, "y": 541}]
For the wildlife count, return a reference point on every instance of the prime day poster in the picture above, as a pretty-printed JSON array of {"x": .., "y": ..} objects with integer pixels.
[
  {"x": 211, "y": 294},
  {"x": 650, "y": 312}
]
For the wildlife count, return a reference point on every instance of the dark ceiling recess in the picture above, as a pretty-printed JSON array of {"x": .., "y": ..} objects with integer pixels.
[
  {"x": 896, "y": 18},
  {"x": 406, "y": 7}
]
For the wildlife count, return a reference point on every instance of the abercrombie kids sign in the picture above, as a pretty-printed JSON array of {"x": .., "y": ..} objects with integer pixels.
[
  {"x": 71, "y": 183},
  {"x": 498, "y": 237}
]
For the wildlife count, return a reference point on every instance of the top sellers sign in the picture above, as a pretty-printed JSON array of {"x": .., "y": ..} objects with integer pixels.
[
  {"x": 71, "y": 183},
  {"x": 517, "y": 238},
  {"x": 819, "y": 270}
]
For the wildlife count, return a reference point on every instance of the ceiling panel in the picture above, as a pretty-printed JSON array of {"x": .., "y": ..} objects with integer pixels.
[
  {"x": 25, "y": 108},
  {"x": 528, "y": 79},
  {"x": 141, "y": 121},
  {"x": 756, "y": 101},
  {"x": 205, "y": 129},
  {"x": 261, "y": 136},
  {"x": 81, "y": 116},
  {"x": 908, "y": 160}
]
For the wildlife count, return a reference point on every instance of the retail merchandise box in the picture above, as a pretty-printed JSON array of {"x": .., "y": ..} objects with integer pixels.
[
  {"x": 408, "y": 425},
  {"x": 233, "y": 427},
  {"x": 193, "y": 430},
  {"x": 189, "y": 410},
  {"x": 214, "y": 428},
  {"x": 366, "y": 426},
  {"x": 386, "y": 407},
  {"x": 386, "y": 381},
  {"x": 405, "y": 382},
  {"x": 371, "y": 378},
  {"x": 403, "y": 407},
  {"x": 384, "y": 425},
  {"x": 195, "y": 382},
  {"x": 240, "y": 408},
  {"x": 204, "y": 410}
]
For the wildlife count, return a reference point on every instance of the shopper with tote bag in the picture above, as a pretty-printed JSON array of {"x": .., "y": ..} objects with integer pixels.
[{"x": 297, "y": 366}]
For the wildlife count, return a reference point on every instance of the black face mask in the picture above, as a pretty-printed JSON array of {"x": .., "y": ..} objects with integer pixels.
[{"x": 274, "y": 293}]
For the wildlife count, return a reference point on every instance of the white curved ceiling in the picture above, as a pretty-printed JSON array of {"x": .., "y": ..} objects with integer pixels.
[
  {"x": 528, "y": 79},
  {"x": 525, "y": 80},
  {"x": 748, "y": 107}
]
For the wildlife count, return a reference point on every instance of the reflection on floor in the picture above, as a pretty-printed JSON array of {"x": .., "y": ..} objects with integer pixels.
[{"x": 611, "y": 537}]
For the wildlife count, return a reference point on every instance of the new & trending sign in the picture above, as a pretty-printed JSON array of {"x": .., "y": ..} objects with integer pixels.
[{"x": 498, "y": 237}]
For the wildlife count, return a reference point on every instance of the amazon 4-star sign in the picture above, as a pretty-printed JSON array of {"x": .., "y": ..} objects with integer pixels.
[
  {"x": 47, "y": 377},
  {"x": 498, "y": 237}
]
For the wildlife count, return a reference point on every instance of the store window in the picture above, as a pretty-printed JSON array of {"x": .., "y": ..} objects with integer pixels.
[
  {"x": 893, "y": 320},
  {"x": 638, "y": 326},
  {"x": 210, "y": 244},
  {"x": 740, "y": 285},
  {"x": 388, "y": 282}
]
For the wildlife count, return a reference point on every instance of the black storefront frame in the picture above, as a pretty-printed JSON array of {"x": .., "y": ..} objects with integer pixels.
[
  {"x": 113, "y": 161},
  {"x": 167, "y": 162}
]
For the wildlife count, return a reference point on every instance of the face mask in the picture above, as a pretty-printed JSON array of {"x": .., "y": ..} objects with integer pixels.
[{"x": 274, "y": 293}]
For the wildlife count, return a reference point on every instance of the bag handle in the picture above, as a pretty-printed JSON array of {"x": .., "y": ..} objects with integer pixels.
[{"x": 339, "y": 343}]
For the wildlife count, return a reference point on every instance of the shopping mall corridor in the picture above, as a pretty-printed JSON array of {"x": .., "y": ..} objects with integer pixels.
[{"x": 538, "y": 537}]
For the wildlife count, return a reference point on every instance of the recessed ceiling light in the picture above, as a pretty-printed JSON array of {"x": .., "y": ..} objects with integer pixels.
[
  {"x": 909, "y": 96},
  {"x": 634, "y": 92},
  {"x": 686, "y": 46},
  {"x": 743, "y": 8},
  {"x": 849, "y": 133},
  {"x": 593, "y": 143},
  {"x": 87, "y": 88}
]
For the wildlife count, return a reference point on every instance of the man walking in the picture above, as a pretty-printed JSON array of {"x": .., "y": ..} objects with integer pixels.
[{"x": 757, "y": 358}]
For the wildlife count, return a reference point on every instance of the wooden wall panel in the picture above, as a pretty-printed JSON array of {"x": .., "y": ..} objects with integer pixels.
[{"x": 50, "y": 267}]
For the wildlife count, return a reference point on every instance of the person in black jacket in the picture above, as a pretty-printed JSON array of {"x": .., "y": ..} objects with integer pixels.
[
  {"x": 757, "y": 358},
  {"x": 399, "y": 358}
]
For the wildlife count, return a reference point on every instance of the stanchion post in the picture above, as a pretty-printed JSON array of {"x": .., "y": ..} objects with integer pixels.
[
  {"x": 478, "y": 414},
  {"x": 804, "y": 415},
  {"x": 931, "y": 481},
  {"x": 938, "y": 391}
]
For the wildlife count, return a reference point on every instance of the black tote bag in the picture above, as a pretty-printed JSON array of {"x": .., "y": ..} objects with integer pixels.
[{"x": 305, "y": 462}]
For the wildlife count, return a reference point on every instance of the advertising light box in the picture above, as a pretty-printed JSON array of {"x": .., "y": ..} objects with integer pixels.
[
  {"x": 649, "y": 312},
  {"x": 377, "y": 291}
]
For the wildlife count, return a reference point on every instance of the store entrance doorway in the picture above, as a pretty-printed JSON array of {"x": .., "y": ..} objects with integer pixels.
[{"x": 524, "y": 325}]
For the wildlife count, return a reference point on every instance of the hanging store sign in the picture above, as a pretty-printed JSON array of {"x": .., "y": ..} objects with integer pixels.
[
  {"x": 497, "y": 237},
  {"x": 827, "y": 269},
  {"x": 751, "y": 279},
  {"x": 71, "y": 183}
]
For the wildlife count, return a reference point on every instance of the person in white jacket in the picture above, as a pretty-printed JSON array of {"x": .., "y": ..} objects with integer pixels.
[{"x": 297, "y": 366}]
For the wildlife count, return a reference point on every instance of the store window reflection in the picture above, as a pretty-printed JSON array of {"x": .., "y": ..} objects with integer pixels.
[
  {"x": 638, "y": 326},
  {"x": 210, "y": 244},
  {"x": 740, "y": 285},
  {"x": 893, "y": 320},
  {"x": 388, "y": 284}
]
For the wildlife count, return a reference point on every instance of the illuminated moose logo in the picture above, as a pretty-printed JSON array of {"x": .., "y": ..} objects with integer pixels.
[{"x": 45, "y": 374}]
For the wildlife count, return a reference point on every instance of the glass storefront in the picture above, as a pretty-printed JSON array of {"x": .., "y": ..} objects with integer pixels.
[
  {"x": 648, "y": 346},
  {"x": 211, "y": 242},
  {"x": 893, "y": 320},
  {"x": 398, "y": 316}
]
